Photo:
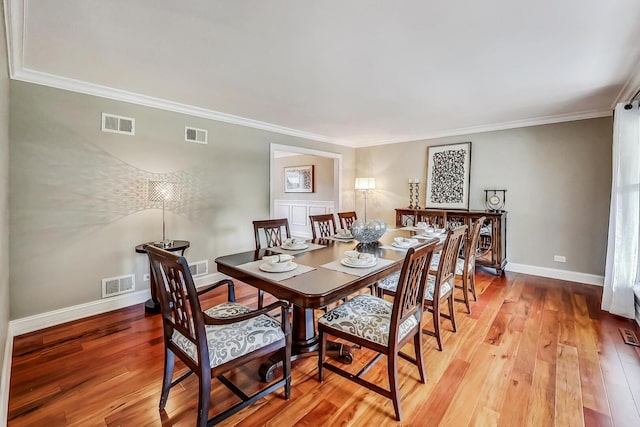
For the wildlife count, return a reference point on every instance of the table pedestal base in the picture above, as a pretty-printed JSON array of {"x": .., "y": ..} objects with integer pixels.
[{"x": 151, "y": 306}]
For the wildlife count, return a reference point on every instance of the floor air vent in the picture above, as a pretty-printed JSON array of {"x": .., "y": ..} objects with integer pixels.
[
  {"x": 198, "y": 136},
  {"x": 118, "y": 285},
  {"x": 629, "y": 337},
  {"x": 199, "y": 268},
  {"x": 118, "y": 124}
]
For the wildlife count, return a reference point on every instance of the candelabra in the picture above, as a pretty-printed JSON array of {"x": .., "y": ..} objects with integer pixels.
[{"x": 414, "y": 192}]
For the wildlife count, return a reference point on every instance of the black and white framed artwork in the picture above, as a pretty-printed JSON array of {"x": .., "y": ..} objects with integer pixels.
[{"x": 448, "y": 173}]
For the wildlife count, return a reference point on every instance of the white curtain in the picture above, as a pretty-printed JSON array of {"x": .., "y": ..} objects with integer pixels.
[{"x": 621, "y": 272}]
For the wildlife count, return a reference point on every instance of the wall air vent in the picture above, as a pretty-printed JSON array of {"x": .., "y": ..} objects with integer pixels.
[
  {"x": 118, "y": 124},
  {"x": 118, "y": 285},
  {"x": 199, "y": 268},
  {"x": 198, "y": 136}
]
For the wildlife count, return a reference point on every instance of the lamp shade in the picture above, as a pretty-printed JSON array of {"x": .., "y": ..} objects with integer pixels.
[
  {"x": 163, "y": 190},
  {"x": 365, "y": 183}
]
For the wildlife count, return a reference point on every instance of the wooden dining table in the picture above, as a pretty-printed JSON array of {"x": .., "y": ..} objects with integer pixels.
[{"x": 318, "y": 287}]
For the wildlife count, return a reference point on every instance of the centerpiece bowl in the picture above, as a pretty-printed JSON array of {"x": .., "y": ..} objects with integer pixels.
[{"x": 368, "y": 232}]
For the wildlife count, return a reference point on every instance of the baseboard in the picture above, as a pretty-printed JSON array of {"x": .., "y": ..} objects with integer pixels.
[
  {"x": 5, "y": 382},
  {"x": 68, "y": 314},
  {"x": 553, "y": 273}
]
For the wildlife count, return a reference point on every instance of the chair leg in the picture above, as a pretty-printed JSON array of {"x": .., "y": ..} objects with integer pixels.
[
  {"x": 203, "y": 399},
  {"x": 260, "y": 298},
  {"x": 473, "y": 285},
  {"x": 169, "y": 359},
  {"x": 286, "y": 370},
  {"x": 452, "y": 313},
  {"x": 465, "y": 292},
  {"x": 436, "y": 323},
  {"x": 417, "y": 345},
  {"x": 321, "y": 353},
  {"x": 392, "y": 362}
]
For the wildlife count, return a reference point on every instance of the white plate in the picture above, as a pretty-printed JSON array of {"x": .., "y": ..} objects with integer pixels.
[
  {"x": 337, "y": 236},
  {"x": 269, "y": 268},
  {"x": 347, "y": 262},
  {"x": 407, "y": 246},
  {"x": 432, "y": 235},
  {"x": 295, "y": 248}
]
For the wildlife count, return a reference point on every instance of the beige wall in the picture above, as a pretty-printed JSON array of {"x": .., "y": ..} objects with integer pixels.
[
  {"x": 4, "y": 193},
  {"x": 323, "y": 171},
  {"x": 77, "y": 210},
  {"x": 558, "y": 179}
]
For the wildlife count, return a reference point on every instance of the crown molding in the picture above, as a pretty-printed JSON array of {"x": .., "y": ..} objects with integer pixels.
[
  {"x": 545, "y": 120},
  {"x": 51, "y": 80}
]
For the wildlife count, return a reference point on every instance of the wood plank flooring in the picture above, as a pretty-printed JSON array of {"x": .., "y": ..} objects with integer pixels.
[{"x": 533, "y": 352}]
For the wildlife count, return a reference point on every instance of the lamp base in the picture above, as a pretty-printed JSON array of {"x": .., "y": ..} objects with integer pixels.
[{"x": 163, "y": 244}]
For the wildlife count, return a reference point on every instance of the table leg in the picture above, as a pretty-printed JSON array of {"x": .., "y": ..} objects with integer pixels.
[
  {"x": 152, "y": 305},
  {"x": 304, "y": 343}
]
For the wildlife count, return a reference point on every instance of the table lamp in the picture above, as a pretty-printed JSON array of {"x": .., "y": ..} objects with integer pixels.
[
  {"x": 365, "y": 185},
  {"x": 163, "y": 191}
]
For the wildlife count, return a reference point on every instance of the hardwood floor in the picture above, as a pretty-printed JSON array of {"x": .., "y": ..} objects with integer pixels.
[{"x": 534, "y": 352}]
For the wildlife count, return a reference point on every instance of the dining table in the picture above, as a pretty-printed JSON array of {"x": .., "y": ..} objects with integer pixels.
[{"x": 320, "y": 278}]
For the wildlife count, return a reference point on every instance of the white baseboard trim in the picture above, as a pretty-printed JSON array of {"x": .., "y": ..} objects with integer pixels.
[
  {"x": 554, "y": 273},
  {"x": 68, "y": 314},
  {"x": 6, "y": 379}
]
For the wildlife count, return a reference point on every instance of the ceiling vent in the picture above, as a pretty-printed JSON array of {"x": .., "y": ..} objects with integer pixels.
[
  {"x": 198, "y": 136},
  {"x": 199, "y": 268},
  {"x": 118, "y": 285},
  {"x": 118, "y": 124}
]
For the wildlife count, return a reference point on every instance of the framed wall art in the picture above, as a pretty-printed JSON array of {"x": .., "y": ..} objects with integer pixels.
[
  {"x": 448, "y": 173},
  {"x": 299, "y": 179}
]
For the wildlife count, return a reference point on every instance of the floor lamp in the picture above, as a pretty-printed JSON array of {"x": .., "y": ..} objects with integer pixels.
[
  {"x": 163, "y": 191},
  {"x": 365, "y": 185}
]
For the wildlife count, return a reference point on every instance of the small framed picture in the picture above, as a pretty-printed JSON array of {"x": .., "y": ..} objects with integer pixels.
[
  {"x": 448, "y": 168},
  {"x": 299, "y": 179}
]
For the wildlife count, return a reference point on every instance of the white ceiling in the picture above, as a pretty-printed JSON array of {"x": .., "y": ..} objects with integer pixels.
[{"x": 355, "y": 72}]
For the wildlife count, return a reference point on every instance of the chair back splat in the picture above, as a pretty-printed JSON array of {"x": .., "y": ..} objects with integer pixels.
[
  {"x": 272, "y": 230},
  {"x": 347, "y": 219},
  {"x": 325, "y": 224}
]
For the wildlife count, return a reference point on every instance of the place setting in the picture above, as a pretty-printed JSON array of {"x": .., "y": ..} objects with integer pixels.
[
  {"x": 277, "y": 267},
  {"x": 402, "y": 243},
  {"x": 357, "y": 263},
  {"x": 342, "y": 235},
  {"x": 295, "y": 246}
]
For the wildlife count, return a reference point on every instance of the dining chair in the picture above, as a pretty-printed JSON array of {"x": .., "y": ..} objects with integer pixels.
[
  {"x": 270, "y": 230},
  {"x": 439, "y": 287},
  {"x": 346, "y": 219},
  {"x": 325, "y": 223},
  {"x": 212, "y": 342},
  {"x": 465, "y": 266},
  {"x": 382, "y": 326}
]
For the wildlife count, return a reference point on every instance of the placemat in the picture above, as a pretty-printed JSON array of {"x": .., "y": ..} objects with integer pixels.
[
  {"x": 312, "y": 247},
  {"x": 253, "y": 268},
  {"x": 354, "y": 271}
]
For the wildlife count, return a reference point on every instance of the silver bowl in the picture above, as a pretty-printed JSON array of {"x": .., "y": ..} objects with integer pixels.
[{"x": 369, "y": 232}]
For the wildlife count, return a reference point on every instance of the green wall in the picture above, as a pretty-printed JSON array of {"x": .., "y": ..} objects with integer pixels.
[
  {"x": 78, "y": 204},
  {"x": 558, "y": 178}
]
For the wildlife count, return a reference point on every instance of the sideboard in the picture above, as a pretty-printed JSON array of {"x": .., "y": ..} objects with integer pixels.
[{"x": 492, "y": 246}]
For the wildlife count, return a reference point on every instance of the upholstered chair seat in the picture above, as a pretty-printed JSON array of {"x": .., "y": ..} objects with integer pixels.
[
  {"x": 367, "y": 317},
  {"x": 228, "y": 342}
]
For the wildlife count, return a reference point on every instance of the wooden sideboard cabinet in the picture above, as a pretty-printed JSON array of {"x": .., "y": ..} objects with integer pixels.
[{"x": 492, "y": 246}]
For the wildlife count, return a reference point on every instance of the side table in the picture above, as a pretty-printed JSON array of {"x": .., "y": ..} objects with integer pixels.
[{"x": 153, "y": 305}]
